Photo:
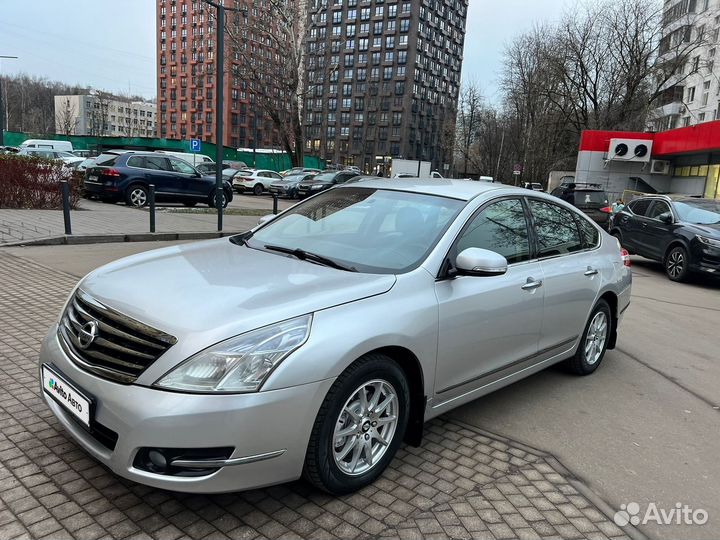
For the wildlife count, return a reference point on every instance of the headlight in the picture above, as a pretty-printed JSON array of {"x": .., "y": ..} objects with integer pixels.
[
  {"x": 316, "y": 186},
  {"x": 708, "y": 241},
  {"x": 239, "y": 364}
]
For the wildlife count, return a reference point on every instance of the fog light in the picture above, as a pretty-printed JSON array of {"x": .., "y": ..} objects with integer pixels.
[{"x": 158, "y": 460}]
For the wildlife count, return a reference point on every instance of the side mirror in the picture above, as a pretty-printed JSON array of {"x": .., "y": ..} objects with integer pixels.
[
  {"x": 666, "y": 217},
  {"x": 263, "y": 220},
  {"x": 480, "y": 262}
]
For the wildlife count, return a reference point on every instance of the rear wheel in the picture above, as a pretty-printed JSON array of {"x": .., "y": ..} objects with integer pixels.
[
  {"x": 258, "y": 189},
  {"x": 594, "y": 342},
  {"x": 136, "y": 196},
  {"x": 676, "y": 264},
  {"x": 359, "y": 427}
]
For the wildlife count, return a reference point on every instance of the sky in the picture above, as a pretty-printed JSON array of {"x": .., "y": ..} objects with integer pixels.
[{"x": 110, "y": 45}]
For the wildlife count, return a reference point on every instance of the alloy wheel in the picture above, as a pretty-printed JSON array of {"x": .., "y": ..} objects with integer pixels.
[
  {"x": 138, "y": 197},
  {"x": 596, "y": 336},
  {"x": 676, "y": 264},
  {"x": 366, "y": 427}
]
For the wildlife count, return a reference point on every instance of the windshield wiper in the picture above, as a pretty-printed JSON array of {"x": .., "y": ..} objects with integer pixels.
[{"x": 309, "y": 256}]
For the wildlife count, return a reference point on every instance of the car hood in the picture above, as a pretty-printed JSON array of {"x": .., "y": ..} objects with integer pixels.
[
  {"x": 712, "y": 229},
  {"x": 220, "y": 289}
]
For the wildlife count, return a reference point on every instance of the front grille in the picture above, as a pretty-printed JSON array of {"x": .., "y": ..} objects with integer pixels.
[{"x": 120, "y": 348}]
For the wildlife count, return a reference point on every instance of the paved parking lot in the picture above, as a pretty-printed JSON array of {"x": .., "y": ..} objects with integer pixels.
[{"x": 466, "y": 481}]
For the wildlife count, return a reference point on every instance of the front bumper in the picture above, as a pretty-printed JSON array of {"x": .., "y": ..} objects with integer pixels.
[
  {"x": 253, "y": 424},
  {"x": 705, "y": 258}
]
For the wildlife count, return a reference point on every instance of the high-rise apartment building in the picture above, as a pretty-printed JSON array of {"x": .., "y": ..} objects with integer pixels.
[
  {"x": 693, "y": 96},
  {"x": 186, "y": 49},
  {"x": 383, "y": 78}
]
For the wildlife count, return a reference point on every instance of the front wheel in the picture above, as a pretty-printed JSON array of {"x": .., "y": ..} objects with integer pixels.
[
  {"x": 676, "y": 264},
  {"x": 359, "y": 427},
  {"x": 594, "y": 341},
  {"x": 212, "y": 203}
]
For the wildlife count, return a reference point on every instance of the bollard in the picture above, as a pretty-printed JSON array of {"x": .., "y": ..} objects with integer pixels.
[
  {"x": 66, "y": 205},
  {"x": 152, "y": 208},
  {"x": 275, "y": 203}
]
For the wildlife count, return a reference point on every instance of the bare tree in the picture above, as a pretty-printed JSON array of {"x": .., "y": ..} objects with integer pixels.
[
  {"x": 267, "y": 49},
  {"x": 99, "y": 116},
  {"x": 467, "y": 127},
  {"x": 66, "y": 118}
]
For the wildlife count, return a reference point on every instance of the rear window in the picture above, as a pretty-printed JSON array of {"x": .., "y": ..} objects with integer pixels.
[
  {"x": 106, "y": 160},
  {"x": 590, "y": 199}
]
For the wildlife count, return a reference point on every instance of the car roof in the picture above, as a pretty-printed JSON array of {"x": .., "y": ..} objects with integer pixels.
[{"x": 444, "y": 187}]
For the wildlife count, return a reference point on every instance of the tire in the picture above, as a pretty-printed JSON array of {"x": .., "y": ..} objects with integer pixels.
[
  {"x": 211, "y": 200},
  {"x": 677, "y": 264},
  {"x": 136, "y": 196},
  {"x": 189, "y": 204},
  {"x": 258, "y": 189},
  {"x": 325, "y": 466},
  {"x": 594, "y": 341}
]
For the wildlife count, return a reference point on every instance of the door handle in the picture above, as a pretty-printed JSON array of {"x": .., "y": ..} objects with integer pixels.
[
  {"x": 531, "y": 285},
  {"x": 591, "y": 272}
]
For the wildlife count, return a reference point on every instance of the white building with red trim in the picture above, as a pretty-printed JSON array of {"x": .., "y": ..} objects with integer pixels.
[{"x": 683, "y": 161}]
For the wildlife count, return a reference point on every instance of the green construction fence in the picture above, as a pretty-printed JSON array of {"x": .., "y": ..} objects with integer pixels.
[{"x": 275, "y": 161}]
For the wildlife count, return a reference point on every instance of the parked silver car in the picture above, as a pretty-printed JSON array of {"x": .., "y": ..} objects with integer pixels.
[{"x": 316, "y": 343}]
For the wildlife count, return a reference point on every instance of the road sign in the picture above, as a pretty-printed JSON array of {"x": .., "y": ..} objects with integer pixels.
[
  {"x": 195, "y": 145},
  {"x": 517, "y": 169},
  {"x": 517, "y": 172}
]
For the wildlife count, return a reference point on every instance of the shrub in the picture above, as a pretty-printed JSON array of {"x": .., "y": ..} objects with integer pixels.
[{"x": 31, "y": 182}]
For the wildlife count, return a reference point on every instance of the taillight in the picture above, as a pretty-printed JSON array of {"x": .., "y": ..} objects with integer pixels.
[
  {"x": 625, "y": 256},
  {"x": 110, "y": 172},
  {"x": 607, "y": 210}
]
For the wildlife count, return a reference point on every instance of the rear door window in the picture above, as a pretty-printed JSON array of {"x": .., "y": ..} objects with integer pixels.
[
  {"x": 557, "y": 231},
  {"x": 639, "y": 207},
  {"x": 156, "y": 163},
  {"x": 589, "y": 234}
]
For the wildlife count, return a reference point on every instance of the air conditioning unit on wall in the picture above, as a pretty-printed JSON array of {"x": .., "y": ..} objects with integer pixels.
[
  {"x": 660, "y": 166},
  {"x": 634, "y": 150}
]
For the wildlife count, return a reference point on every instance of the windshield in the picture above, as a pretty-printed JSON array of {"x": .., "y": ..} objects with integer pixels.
[
  {"x": 295, "y": 178},
  {"x": 325, "y": 177},
  {"x": 373, "y": 230},
  {"x": 705, "y": 212}
]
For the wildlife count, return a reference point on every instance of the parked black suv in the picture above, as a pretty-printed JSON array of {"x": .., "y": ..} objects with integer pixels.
[
  {"x": 683, "y": 233},
  {"x": 120, "y": 175},
  {"x": 324, "y": 181},
  {"x": 591, "y": 199}
]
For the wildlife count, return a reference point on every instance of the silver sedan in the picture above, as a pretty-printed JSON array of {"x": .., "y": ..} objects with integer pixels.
[{"x": 317, "y": 343}]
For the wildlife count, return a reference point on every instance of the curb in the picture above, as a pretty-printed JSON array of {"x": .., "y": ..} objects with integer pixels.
[{"x": 110, "y": 238}]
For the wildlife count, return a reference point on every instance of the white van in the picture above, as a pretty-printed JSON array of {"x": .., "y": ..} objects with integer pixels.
[
  {"x": 42, "y": 144},
  {"x": 191, "y": 158}
]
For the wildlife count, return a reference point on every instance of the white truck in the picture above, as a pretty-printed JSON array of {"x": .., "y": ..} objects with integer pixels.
[{"x": 408, "y": 168}]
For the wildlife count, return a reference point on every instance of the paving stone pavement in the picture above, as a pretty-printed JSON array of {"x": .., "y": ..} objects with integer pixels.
[
  {"x": 461, "y": 483},
  {"x": 95, "y": 218}
]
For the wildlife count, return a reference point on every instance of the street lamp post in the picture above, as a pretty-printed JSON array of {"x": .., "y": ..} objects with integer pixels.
[{"x": 2, "y": 105}]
